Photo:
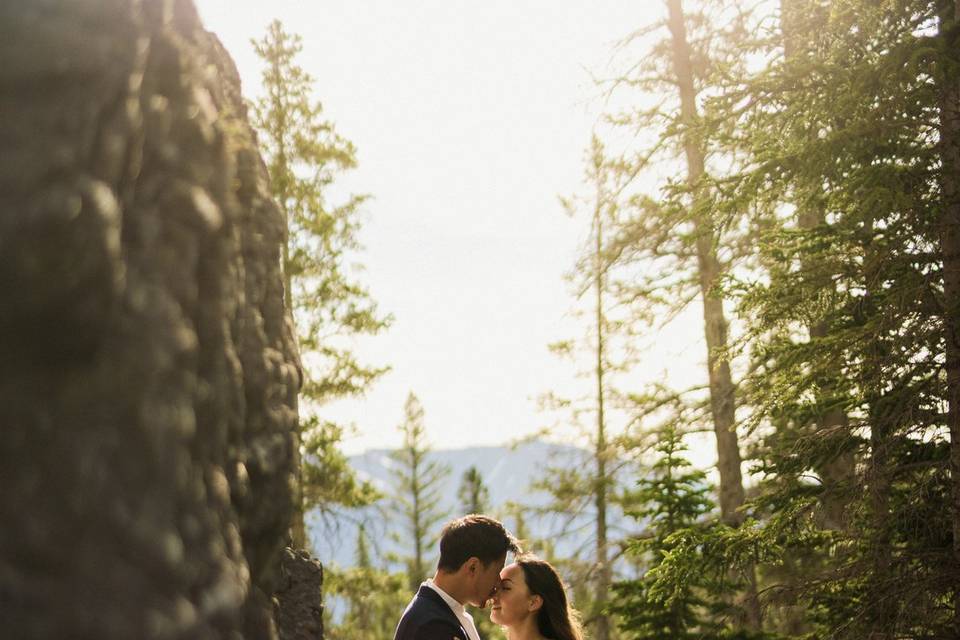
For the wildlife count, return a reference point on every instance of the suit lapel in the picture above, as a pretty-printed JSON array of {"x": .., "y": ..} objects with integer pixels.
[{"x": 429, "y": 594}]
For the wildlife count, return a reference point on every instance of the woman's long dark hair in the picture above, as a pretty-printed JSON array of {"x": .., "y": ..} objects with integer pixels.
[{"x": 555, "y": 619}]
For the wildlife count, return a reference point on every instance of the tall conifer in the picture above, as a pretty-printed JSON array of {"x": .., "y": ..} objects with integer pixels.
[
  {"x": 851, "y": 316},
  {"x": 473, "y": 493},
  {"x": 305, "y": 154},
  {"x": 416, "y": 492},
  {"x": 681, "y": 245}
]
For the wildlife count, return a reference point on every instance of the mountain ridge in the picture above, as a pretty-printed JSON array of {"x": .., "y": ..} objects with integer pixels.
[{"x": 507, "y": 471}]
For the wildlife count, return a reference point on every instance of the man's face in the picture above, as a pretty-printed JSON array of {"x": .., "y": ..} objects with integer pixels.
[{"x": 487, "y": 581}]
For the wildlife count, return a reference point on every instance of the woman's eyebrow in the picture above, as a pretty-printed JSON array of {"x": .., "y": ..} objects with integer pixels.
[{"x": 505, "y": 580}]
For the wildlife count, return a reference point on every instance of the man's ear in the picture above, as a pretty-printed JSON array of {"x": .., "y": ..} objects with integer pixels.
[
  {"x": 535, "y": 603},
  {"x": 473, "y": 566}
]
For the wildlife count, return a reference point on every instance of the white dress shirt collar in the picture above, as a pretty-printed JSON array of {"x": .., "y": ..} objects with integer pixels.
[
  {"x": 458, "y": 610},
  {"x": 453, "y": 603}
]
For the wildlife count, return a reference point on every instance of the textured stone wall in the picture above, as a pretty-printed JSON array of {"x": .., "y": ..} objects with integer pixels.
[
  {"x": 148, "y": 370},
  {"x": 299, "y": 609}
]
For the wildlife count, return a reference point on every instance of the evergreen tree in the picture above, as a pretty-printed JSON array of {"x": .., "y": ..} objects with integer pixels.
[
  {"x": 946, "y": 75},
  {"x": 363, "y": 549},
  {"x": 584, "y": 490},
  {"x": 372, "y": 597},
  {"x": 672, "y": 499},
  {"x": 473, "y": 494},
  {"x": 852, "y": 316},
  {"x": 679, "y": 244},
  {"x": 416, "y": 497},
  {"x": 304, "y": 155},
  {"x": 881, "y": 195},
  {"x": 329, "y": 483},
  {"x": 475, "y": 498}
]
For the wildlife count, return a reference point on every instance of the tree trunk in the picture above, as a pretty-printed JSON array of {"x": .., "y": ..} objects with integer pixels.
[
  {"x": 883, "y": 610},
  {"x": 949, "y": 232},
  {"x": 722, "y": 400},
  {"x": 604, "y": 578},
  {"x": 418, "y": 527},
  {"x": 715, "y": 325},
  {"x": 881, "y": 607}
]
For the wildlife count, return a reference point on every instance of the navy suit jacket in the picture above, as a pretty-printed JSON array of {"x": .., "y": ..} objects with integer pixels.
[{"x": 428, "y": 617}]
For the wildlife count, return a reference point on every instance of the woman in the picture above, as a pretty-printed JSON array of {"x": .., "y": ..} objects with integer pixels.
[{"x": 531, "y": 603}]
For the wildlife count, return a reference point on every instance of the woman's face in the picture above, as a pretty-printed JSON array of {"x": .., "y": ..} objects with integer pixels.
[{"x": 513, "y": 601}]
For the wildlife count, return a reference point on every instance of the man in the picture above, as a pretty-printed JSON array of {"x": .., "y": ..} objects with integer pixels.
[{"x": 473, "y": 550}]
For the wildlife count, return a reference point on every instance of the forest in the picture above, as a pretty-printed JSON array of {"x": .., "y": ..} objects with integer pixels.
[
  {"x": 773, "y": 186},
  {"x": 789, "y": 170}
]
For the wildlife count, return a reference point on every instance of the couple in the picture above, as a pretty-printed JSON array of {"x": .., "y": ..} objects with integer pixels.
[{"x": 527, "y": 596}]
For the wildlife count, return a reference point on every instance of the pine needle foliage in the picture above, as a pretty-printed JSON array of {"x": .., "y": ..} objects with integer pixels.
[
  {"x": 847, "y": 314},
  {"x": 305, "y": 155},
  {"x": 673, "y": 498},
  {"x": 416, "y": 492},
  {"x": 473, "y": 493},
  {"x": 673, "y": 244},
  {"x": 371, "y": 596},
  {"x": 584, "y": 489}
]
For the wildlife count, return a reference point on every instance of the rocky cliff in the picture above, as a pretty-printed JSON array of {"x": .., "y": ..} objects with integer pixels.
[{"x": 148, "y": 368}]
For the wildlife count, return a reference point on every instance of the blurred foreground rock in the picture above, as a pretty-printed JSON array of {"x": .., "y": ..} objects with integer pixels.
[
  {"x": 148, "y": 370},
  {"x": 299, "y": 613}
]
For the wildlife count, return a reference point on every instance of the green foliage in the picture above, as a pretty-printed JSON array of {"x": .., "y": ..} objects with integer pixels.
[
  {"x": 416, "y": 491},
  {"x": 472, "y": 493},
  {"x": 584, "y": 490},
  {"x": 843, "y": 313},
  {"x": 817, "y": 210},
  {"x": 673, "y": 246},
  {"x": 304, "y": 155},
  {"x": 827, "y": 191},
  {"x": 847, "y": 319},
  {"x": 328, "y": 480},
  {"x": 373, "y": 598},
  {"x": 668, "y": 503}
]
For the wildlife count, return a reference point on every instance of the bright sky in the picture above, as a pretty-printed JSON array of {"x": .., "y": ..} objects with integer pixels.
[{"x": 470, "y": 119}]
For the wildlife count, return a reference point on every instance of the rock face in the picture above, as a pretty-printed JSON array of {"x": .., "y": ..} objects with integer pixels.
[
  {"x": 148, "y": 369},
  {"x": 298, "y": 598}
]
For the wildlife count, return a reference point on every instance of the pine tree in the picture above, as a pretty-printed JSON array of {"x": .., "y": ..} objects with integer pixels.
[
  {"x": 473, "y": 494},
  {"x": 672, "y": 499},
  {"x": 851, "y": 317},
  {"x": 947, "y": 79},
  {"x": 363, "y": 549},
  {"x": 680, "y": 234},
  {"x": 305, "y": 154},
  {"x": 517, "y": 513},
  {"x": 416, "y": 497},
  {"x": 372, "y": 597},
  {"x": 585, "y": 490},
  {"x": 837, "y": 471},
  {"x": 679, "y": 242},
  {"x": 710, "y": 270},
  {"x": 475, "y": 498}
]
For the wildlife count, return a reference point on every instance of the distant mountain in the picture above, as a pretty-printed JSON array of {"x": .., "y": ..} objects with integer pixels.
[{"x": 507, "y": 472}]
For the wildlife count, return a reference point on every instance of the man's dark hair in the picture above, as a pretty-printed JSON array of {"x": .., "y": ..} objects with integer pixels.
[{"x": 474, "y": 536}]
